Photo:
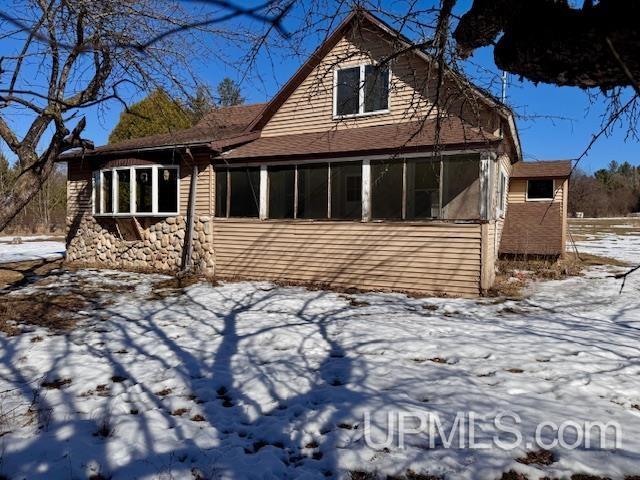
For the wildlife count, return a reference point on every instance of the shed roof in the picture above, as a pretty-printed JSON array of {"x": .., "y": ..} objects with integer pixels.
[
  {"x": 400, "y": 138},
  {"x": 542, "y": 169}
]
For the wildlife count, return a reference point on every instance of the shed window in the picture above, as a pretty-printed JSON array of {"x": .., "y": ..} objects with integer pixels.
[
  {"x": 136, "y": 190},
  {"x": 346, "y": 190},
  {"x": 282, "y": 191},
  {"x": 313, "y": 190},
  {"x": 386, "y": 189},
  {"x": 362, "y": 89},
  {"x": 540, "y": 189}
]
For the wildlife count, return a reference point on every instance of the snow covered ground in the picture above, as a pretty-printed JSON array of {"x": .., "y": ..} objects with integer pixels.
[
  {"x": 31, "y": 248},
  {"x": 249, "y": 380}
]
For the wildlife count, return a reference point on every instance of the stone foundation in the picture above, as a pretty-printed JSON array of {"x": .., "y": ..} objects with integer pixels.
[{"x": 113, "y": 243}]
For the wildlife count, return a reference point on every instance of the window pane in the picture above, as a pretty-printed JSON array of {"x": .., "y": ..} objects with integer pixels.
[
  {"x": 461, "y": 187},
  {"x": 144, "y": 197},
  {"x": 540, "y": 189},
  {"x": 376, "y": 88},
  {"x": 347, "y": 97},
  {"x": 221, "y": 193},
  {"x": 97, "y": 192},
  {"x": 107, "y": 191},
  {"x": 386, "y": 189},
  {"x": 124, "y": 191},
  {"x": 281, "y": 191},
  {"x": 245, "y": 192},
  {"x": 167, "y": 190},
  {"x": 346, "y": 190},
  {"x": 423, "y": 188},
  {"x": 313, "y": 185}
]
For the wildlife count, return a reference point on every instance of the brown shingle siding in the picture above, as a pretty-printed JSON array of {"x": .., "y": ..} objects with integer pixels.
[{"x": 533, "y": 229}]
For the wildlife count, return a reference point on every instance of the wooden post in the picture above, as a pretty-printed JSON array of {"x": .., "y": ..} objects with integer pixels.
[{"x": 187, "y": 249}]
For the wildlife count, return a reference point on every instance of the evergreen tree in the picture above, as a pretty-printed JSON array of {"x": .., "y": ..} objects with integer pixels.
[
  {"x": 200, "y": 104},
  {"x": 157, "y": 113},
  {"x": 229, "y": 93}
]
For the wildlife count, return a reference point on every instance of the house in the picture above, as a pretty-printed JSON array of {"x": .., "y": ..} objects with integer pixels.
[{"x": 359, "y": 173}]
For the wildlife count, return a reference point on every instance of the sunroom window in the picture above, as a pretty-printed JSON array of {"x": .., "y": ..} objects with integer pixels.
[
  {"x": 238, "y": 192},
  {"x": 136, "y": 190},
  {"x": 360, "y": 90}
]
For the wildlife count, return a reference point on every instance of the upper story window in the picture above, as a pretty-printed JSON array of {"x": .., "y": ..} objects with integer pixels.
[
  {"x": 140, "y": 190},
  {"x": 541, "y": 189},
  {"x": 360, "y": 90}
]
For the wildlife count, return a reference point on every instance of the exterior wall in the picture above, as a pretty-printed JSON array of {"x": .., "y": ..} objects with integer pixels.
[
  {"x": 310, "y": 106},
  {"x": 204, "y": 187},
  {"x": 148, "y": 242},
  {"x": 518, "y": 191},
  {"x": 535, "y": 227},
  {"x": 430, "y": 257}
]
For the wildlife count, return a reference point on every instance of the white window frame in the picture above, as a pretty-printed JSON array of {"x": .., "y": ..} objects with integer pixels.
[
  {"x": 546, "y": 199},
  {"x": 502, "y": 200},
  {"x": 361, "y": 112},
  {"x": 98, "y": 210}
]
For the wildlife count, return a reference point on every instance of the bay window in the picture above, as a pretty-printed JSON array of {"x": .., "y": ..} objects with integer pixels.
[
  {"x": 362, "y": 89},
  {"x": 136, "y": 190}
]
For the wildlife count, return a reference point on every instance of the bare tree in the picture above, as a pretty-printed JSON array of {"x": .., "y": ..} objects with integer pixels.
[{"x": 69, "y": 56}]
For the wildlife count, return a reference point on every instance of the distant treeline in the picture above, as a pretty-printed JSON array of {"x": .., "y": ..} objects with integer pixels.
[
  {"x": 47, "y": 211},
  {"x": 611, "y": 191}
]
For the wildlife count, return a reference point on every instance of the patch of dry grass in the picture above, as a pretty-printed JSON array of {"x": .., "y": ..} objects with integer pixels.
[{"x": 514, "y": 273}]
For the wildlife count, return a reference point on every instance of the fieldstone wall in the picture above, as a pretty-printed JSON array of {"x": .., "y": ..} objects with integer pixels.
[{"x": 103, "y": 242}]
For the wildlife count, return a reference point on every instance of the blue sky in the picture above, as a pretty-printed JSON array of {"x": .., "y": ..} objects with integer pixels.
[{"x": 557, "y": 122}]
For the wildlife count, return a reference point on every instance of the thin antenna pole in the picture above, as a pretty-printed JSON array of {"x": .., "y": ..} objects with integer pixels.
[{"x": 505, "y": 79}]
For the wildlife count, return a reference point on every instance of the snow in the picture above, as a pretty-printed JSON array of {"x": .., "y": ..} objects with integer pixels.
[
  {"x": 31, "y": 248},
  {"x": 283, "y": 377},
  {"x": 623, "y": 247}
]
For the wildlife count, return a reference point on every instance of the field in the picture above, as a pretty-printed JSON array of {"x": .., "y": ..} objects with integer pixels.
[{"x": 107, "y": 374}]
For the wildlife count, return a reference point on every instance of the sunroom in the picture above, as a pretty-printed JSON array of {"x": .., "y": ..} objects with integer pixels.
[{"x": 412, "y": 188}]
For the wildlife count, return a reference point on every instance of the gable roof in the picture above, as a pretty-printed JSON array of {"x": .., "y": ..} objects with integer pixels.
[
  {"x": 391, "y": 138},
  {"x": 225, "y": 124},
  {"x": 362, "y": 15},
  {"x": 542, "y": 169}
]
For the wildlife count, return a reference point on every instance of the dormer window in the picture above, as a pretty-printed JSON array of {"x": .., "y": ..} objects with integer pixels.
[{"x": 361, "y": 90}]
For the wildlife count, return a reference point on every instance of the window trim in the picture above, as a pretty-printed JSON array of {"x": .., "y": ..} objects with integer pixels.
[
  {"x": 546, "y": 199},
  {"x": 361, "y": 112},
  {"x": 502, "y": 200},
  {"x": 132, "y": 192}
]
